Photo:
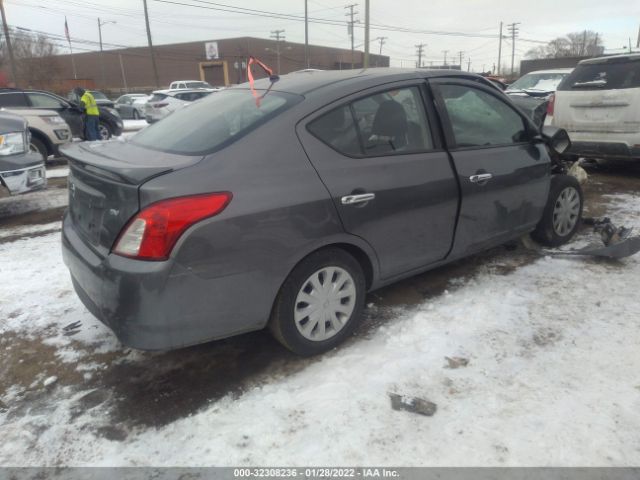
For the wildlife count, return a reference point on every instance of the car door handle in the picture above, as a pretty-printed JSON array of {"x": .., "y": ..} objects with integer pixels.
[
  {"x": 355, "y": 199},
  {"x": 481, "y": 178}
]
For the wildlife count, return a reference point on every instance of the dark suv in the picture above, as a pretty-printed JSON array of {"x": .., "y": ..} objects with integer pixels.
[{"x": 110, "y": 121}]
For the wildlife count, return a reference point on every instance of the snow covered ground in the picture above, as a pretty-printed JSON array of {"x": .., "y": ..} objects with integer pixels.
[{"x": 552, "y": 375}]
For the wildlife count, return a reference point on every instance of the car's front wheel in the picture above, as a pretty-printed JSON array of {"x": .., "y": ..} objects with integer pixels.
[
  {"x": 562, "y": 213},
  {"x": 105, "y": 131},
  {"x": 320, "y": 303}
]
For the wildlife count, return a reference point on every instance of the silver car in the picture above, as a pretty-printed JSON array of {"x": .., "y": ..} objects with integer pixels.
[
  {"x": 164, "y": 102},
  {"x": 21, "y": 170},
  {"x": 132, "y": 105}
]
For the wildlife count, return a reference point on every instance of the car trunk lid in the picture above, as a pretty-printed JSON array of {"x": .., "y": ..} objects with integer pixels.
[{"x": 104, "y": 181}]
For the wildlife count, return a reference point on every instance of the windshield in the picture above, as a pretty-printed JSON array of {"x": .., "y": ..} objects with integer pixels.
[
  {"x": 604, "y": 76},
  {"x": 547, "y": 82},
  {"x": 198, "y": 85},
  {"x": 213, "y": 122}
]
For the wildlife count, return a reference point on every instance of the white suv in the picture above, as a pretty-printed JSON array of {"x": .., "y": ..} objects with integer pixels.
[
  {"x": 163, "y": 102},
  {"x": 182, "y": 84},
  {"x": 598, "y": 104}
]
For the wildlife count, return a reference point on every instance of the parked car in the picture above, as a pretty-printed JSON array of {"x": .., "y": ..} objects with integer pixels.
[
  {"x": 540, "y": 83},
  {"x": 48, "y": 131},
  {"x": 533, "y": 92},
  {"x": 21, "y": 170},
  {"x": 599, "y": 106},
  {"x": 285, "y": 208},
  {"x": 110, "y": 121},
  {"x": 132, "y": 105},
  {"x": 101, "y": 99},
  {"x": 189, "y": 84},
  {"x": 164, "y": 102}
]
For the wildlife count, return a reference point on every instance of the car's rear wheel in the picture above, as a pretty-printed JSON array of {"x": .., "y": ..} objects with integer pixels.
[
  {"x": 320, "y": 303},
  {"x": 37, "y": 146},
  {"x": 562, "y": 214},
  {"x": 105, "y": 131}
]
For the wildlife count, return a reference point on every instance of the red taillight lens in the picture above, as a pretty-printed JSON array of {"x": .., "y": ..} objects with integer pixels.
[
  {"x": 551, "y": 105},
  {"x": 153, "y": 232}
]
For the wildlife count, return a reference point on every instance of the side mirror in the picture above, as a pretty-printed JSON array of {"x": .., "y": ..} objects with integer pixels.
[{"x": 556, "y": 138}]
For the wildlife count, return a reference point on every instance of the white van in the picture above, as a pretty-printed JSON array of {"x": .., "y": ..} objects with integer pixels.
[{"x": 598, "y": 104}]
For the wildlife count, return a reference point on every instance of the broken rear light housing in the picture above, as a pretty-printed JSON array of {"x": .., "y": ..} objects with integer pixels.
[{"x": 153, "y": 232}]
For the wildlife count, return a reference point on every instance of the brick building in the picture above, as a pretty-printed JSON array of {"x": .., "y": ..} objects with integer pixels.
[{"x": 220, "y": 62}]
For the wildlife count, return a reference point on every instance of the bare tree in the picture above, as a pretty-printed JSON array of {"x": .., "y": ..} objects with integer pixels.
[
  {"x": 576, "y": 44},
  {"x": 35, "y": 55}
]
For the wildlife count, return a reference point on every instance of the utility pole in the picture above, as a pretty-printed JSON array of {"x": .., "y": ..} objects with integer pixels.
[
  {"x": 382, "y": 42},
  {"x": 445, "y": 56},
  {"x": 350, "y": 28},
  {"x": 595, "y": 46},
  {"x": 153, "y": 57},
  {"x": 469, "y": 64},
  {"x": 513, "y": 30},
  {"x": 278, "y": 37},
  {"x": 365, "y": 63},
  {"x": 461, "y": 54},
  {"x": 584, "y": 44},
  {"x": 500, "y": 49},
  {"x": 638, "y": 42},
  {"x": 306, "y": 32},
  {"x": 419, "y": 52},
  {"x": 12, "y": 60},
  {"x": 100, "y": 24}
]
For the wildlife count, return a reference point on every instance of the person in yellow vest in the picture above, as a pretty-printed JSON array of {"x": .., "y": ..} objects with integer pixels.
[{"x": 92, "y": 114}]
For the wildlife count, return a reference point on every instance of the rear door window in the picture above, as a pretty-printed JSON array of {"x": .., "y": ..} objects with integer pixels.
[
  {"x": 16, "y": 99},
  {"x": 42, "y": 100},
  {"x": 385, "y": 123},
  {"x": 603, "y": 76},
  {"x": 480, "y": 119}
]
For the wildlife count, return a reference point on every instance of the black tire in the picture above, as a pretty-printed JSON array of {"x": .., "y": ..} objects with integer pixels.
[
  {"x": 546, "y": 233},
  {"x": 104, "y": 128},
  {"x": 39, "y": 146},
  {"x": 282, "y": 322},
  {"x": 136, "y": 115}
]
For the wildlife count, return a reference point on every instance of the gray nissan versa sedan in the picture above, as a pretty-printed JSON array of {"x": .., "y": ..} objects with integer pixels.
[{"x": 284, "y": 205}]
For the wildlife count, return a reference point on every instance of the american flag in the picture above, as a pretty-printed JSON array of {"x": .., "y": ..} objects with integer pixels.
[{"x": 66, "y": 30}]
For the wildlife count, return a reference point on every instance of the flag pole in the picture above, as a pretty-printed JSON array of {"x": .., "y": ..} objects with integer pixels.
[{"x": 73, "y": 60}]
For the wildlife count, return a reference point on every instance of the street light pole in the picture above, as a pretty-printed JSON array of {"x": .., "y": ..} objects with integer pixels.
[
  {"x": 306, "y": 32},
  {"x": 365, "y": 63},
  {"x": 100, "y": 24}
]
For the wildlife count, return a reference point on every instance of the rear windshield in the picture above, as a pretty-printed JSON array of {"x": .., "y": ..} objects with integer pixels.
[
  {"x": 603, "y": 76},
  {"x": 157, "y": 97},
  {"x": 546, "y": 82},
  {"x": 212, "y": 123},
  {"x": 198, "y": 85}
]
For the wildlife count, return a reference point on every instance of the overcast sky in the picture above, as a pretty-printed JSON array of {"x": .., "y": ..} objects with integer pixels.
[{"x": 541, "y": 20}]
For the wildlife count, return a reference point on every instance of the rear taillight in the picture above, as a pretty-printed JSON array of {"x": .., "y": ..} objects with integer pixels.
[
  {"x": 153, "y": 232},
  {"x": 160, "y": 105},
  {"x": 551, "y": 104}
]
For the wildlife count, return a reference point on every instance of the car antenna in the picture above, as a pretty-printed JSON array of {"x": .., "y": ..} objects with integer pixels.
[{"x": 272, "y": 78}]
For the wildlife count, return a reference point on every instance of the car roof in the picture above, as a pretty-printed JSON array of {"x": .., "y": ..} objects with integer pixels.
[
  {"x": 552, "y": 70},
  {"x": 611, "y": 59},
  {"x": 305, "y": 82}
]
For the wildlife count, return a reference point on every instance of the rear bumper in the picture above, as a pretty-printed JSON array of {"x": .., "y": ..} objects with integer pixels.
[
  {"x": 158, "y": 305},
  {"x": 605, "y": 150}
]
